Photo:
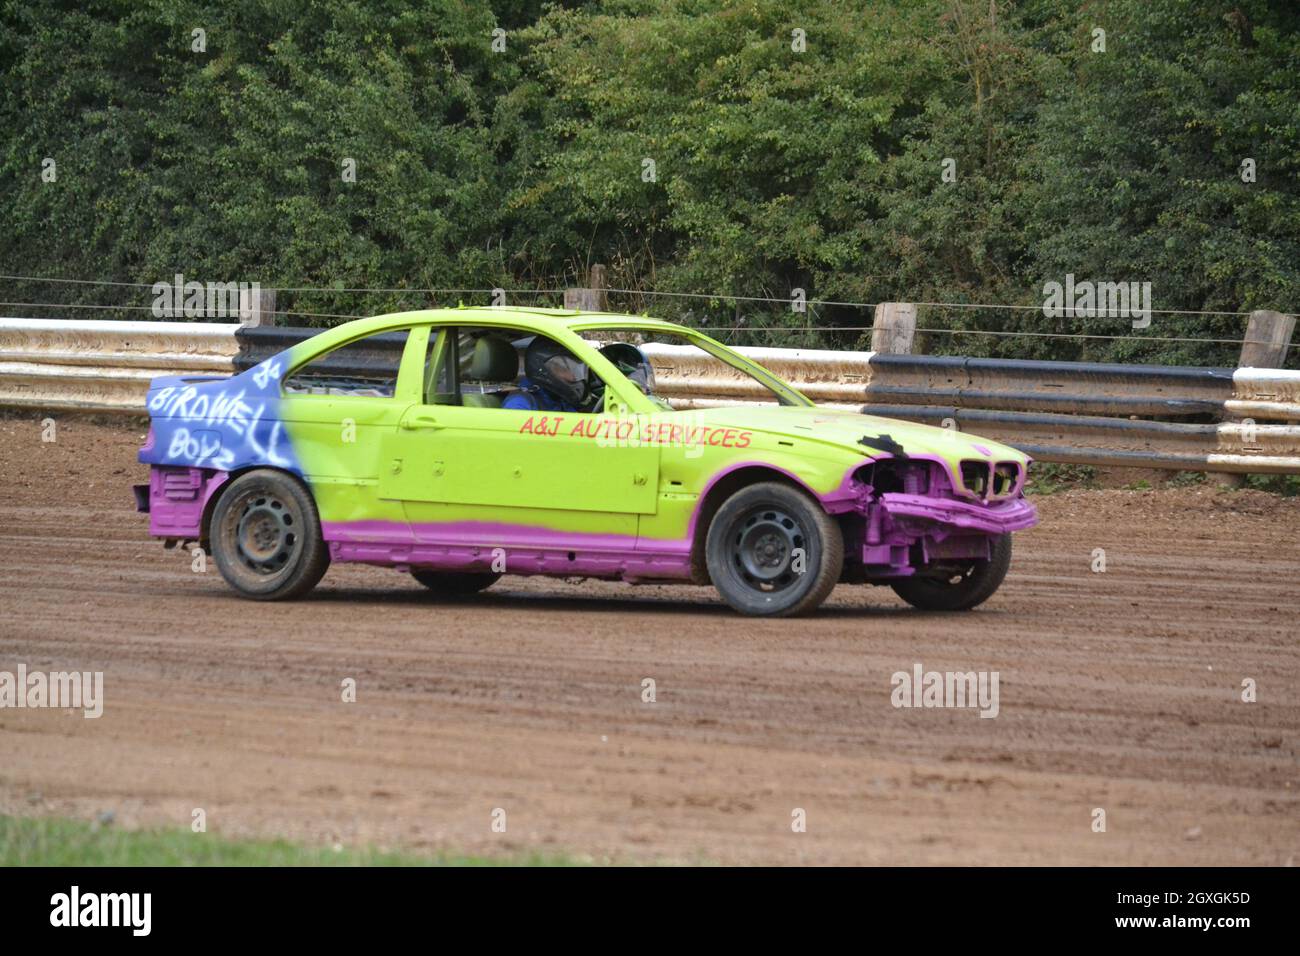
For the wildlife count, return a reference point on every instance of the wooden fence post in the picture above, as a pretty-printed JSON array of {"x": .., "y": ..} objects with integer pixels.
[
  {"x": 1268, "y": 335},
  {"x": 591, "y": 298},
  {"x": 894, "y": 328},
  {"x": 256, "y": 307}
]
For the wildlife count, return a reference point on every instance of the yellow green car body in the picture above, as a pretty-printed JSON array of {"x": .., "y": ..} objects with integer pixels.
[{"x": 409, "y": 461}]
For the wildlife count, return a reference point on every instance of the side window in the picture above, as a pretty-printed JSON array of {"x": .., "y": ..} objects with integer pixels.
[
  {"x": 474, "y": 367},
  {"x": 364, "y": 367},
  {"x": 486, "y": 367}
]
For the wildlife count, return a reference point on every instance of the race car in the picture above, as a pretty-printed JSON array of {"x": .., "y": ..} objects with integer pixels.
[{"x": 460, "y": 445}]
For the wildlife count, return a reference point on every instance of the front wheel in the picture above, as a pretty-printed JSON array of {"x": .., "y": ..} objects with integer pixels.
[
  {"x": 266, "y": 537},
  {"x": 961, "y": 587},
  {"x": 772, "y": 551}
]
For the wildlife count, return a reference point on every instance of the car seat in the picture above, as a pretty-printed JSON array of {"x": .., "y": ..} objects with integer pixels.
[{"x": 493, "y": 368}]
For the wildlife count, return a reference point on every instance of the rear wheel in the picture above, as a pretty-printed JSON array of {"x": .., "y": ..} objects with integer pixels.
[
  {"x": 961, "y": 587},
  {"x": 265, "y": 537},
  {"x": 772, "y": 551},
  {"x": 455, "y": 583}
]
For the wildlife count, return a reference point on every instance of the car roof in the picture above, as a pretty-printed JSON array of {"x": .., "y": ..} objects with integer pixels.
[{"x": 541, "y": 319}]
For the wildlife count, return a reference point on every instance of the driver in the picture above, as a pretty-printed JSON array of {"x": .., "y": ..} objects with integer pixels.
[{"x": 555, "y": 380}]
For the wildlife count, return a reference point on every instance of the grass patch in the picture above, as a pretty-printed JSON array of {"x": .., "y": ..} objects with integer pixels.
[
  {"x": 1288, "y": 486},
  {"x": 1187, "y": 479},
  {"x": 1049, "y": 477},
  {"x": 56, "y": 842}
]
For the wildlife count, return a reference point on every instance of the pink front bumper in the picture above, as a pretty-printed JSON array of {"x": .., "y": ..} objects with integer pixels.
[
  {"x": 904, "y": 532},
  {"x": 960, "y": 516}
]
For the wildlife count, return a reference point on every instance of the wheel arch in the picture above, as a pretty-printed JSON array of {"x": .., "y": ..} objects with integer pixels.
[
  {"x": 210, "y": 507},
  {"x": 721, "y": 487}
]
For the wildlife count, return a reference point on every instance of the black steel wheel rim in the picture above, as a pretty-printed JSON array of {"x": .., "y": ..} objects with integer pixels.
[
  {"x": 768, "y": 549},
  {"x": 266, "y": 536}
]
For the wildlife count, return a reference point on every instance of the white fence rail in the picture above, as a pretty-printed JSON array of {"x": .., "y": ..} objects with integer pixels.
[{"x": 103, "y": 366}]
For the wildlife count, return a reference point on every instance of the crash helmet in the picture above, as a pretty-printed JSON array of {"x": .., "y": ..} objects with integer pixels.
[
  {"x": 631, "y": 361},
  {"x": 551, "y": 366}
]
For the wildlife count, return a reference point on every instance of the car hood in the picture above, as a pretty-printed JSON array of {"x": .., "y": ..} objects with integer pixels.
[{"x": 844, "y": 431}]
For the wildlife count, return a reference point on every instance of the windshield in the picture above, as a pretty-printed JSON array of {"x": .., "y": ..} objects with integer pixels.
[{"x": 686, "y": 371}]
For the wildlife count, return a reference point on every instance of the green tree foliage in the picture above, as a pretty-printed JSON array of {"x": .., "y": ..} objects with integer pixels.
[
  {"x": 724, "y": 147},
  {"x": 764, "y": 158},
  {"x": 1136, "y": 164},
  {"x": 228, "y": 163}
]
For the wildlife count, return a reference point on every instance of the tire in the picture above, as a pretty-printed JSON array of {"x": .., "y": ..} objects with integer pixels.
[
  {"x": 265, "y": 537},
  {"x": 750, "y": 549},
  {"x": 959, "y": 592},
  {"x": 455, "y": 583}
]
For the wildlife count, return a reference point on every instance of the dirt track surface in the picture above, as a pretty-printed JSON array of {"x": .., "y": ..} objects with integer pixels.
[{"x": 1119, "y": 690}]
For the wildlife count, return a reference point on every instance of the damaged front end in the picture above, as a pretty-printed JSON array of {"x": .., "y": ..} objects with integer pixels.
[{"x": 917, "y": 514}]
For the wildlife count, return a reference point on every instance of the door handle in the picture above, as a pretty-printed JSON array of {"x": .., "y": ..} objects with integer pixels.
[{"x": 420, "y": 421}]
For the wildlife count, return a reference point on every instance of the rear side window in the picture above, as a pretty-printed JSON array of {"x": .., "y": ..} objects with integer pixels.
[{"x": 366, "y": 367}]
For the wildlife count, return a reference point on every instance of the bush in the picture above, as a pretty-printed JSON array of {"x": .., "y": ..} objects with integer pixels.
[{"x": 688, "y": 144}]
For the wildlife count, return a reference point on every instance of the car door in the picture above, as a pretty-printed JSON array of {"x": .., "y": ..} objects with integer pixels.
[{"x": 495, "y": 476}]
